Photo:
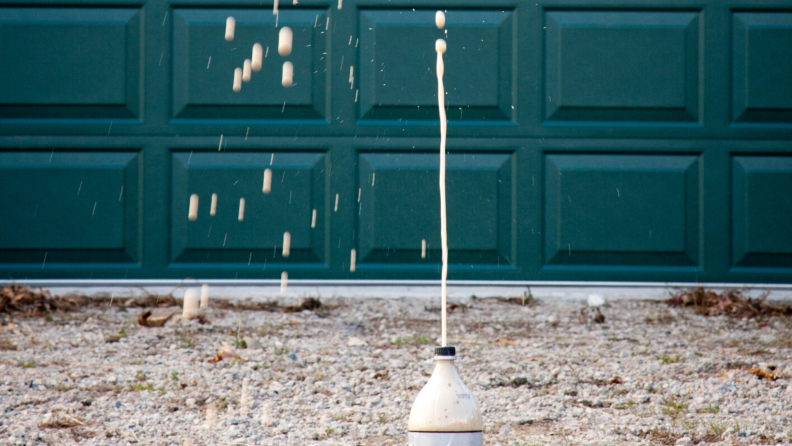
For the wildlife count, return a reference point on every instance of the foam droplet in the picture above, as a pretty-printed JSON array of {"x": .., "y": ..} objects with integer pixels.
[
  {"x": 288, "y": 74},
  {"x": 230, "y": 28},
  {"x": 440, "y": 19},
  {"x": 193, "y": 213},
  {"x": 237, "y": 79},
  {"x": 285, "y": 40},
  {"x": 256, "y": 59},
  {"x": 440, "y": 46}
]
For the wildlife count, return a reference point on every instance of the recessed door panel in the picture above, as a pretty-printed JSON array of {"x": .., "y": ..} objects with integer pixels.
[
  {"x": 400, "y": 207},
  {"x": 66, "y": 208},
  {"x": 398, "y": 77},
  {"x": 622, "y": 67},
  {"x": 204, "y": 64},
  {"x": 253, "y": 235},
  {"x": 70, "y": 64},
  {"x": 762, "y": 67},
  {"x": 762, "y": 211},
  {"x": 627, "y": 210}
]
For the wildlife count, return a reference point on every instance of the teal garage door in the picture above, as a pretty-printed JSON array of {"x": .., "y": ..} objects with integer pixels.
[{"x": 604, "y": 141}]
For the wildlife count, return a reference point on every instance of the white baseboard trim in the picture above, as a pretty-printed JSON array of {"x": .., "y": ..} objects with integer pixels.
[{"x": 260, "y": 290}]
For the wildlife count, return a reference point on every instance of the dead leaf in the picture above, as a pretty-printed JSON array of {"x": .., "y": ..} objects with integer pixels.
[
  {"x": 155, "y": 318},
  {"x": 112, "y": 339},
  {"x": 505, "y": 341},
  {"x": 616, "y": 380},
  {"x": 62, "y": 421},
  {"x": 769, "y": 373},
  {"x": 381, "y": 375},
  {"x": 225, "y": 352}
]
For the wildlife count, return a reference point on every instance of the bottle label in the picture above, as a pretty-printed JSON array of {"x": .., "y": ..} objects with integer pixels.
[{"x": 445, "y": 438}]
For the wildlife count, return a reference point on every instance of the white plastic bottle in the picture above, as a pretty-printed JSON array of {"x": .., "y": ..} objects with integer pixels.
[{"x": 445, "y": 413}]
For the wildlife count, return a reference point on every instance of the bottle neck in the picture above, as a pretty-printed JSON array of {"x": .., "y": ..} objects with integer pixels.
[{"x": 444, "y": 366}]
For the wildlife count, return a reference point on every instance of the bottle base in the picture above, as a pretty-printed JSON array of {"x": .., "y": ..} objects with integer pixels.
[{"x": 445, "y": 438}]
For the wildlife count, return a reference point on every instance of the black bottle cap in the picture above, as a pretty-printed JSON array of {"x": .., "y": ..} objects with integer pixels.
[{"x": 445, "y": 351}]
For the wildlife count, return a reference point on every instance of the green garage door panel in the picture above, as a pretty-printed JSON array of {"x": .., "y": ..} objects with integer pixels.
[
  {"x": 762, "y": 211},
  {"x": 616, "y": 141},
  {"x": 762, "y": 63},
  {"x": 70, "y": 64},
  {"x": 630, "y": 211},
  {"x": 400, "y": 206},
  {"x": 622, "y": 66},
  {"x": 66, "y": 209},
  {"x": 256, "y": 241},
  {"x": 398, "y": 81},
  {"x": 202, "y": 90}
]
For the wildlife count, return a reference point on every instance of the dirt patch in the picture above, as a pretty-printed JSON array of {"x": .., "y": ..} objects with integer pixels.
[
  {"x": 514, "y": 382},
  {"x": 148, "y": 301},
  {"x": 527, "y": 300},
  {"x": 450, "y": 307},
  {"x": 272, "y": 306},
  {"x": 729, "y": 303},
  {"x": 534, "y": 427}
]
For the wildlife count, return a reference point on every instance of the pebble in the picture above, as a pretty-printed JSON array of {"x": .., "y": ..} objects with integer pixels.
[
  {"x": 595, "y": 300},
  {"x": 356, "y": 342},
  {"x": 542, "y": 374}
]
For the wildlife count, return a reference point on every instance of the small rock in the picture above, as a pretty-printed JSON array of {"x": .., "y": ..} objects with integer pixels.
[
  {"x": 684, "y": 441},
  {"x": 252, "y": 343},
  {"x": 356, "y": 342},
  {"x": 504, "y": 430},
  {"x": 595, "y": 300}
]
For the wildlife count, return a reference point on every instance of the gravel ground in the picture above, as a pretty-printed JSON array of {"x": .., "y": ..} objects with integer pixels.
[{"x": 348, "y": 372}]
